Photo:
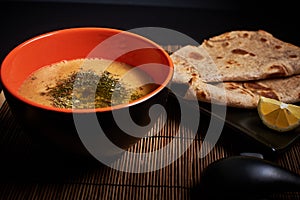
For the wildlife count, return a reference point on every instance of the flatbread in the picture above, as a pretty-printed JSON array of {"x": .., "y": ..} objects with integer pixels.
[
  {"x": 189, "y": 62},
  {"x": 249, "y": 55}
]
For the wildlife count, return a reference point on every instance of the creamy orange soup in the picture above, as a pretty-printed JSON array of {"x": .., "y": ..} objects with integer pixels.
[{"x": 86, "y": 83}]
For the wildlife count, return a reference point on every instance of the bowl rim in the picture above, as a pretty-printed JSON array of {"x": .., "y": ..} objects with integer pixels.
[{"x": 14, "y": 51}]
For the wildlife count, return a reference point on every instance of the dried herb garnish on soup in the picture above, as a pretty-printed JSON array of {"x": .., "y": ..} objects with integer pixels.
[{"x": 86, "y": 89}]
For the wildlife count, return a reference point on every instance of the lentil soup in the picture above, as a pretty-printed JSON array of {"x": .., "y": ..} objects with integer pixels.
[{"x": 86, "y": 83}]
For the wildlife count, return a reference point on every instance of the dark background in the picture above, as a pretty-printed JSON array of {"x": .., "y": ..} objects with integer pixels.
[{"x": 21, "y": 20}]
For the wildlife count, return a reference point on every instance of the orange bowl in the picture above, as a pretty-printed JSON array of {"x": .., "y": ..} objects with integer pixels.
[{"x": 57, "y": 124}]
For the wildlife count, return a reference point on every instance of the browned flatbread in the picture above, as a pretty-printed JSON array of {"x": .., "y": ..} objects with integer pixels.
[
  {"x": 249, "y": 55},
  {"x": 188, "y": 63}
]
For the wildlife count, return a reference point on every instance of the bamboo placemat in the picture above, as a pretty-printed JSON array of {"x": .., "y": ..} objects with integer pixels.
[{"x": 32, "y": 170}]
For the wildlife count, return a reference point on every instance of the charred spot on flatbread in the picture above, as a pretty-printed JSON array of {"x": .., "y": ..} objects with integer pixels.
[
  {"x": 239, "y": 51},
  {"x": 276, "y": 71},
  {"x": 293, "y": 56},
  {"x": 208, "y": 44},
  {"x": 242, "y": 52},
  {"x": 201, "y": 94},
  {"x": 232, "y": 62},
  {"x": 192, "y": 80},
  {"x": 225, "y": 44},
  {"x": 231, "y": 86},
  {"x": 268, "y": 94},
  {"x": 196, "y": 56},
  {"x": 260, "y": 90}
]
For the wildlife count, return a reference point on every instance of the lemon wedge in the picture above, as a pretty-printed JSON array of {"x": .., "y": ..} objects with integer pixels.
[{"x": 277, "y": 115}]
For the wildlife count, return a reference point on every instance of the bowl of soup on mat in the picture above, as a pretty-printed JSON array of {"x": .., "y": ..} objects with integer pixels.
[{"x": 89, "y": 88}]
